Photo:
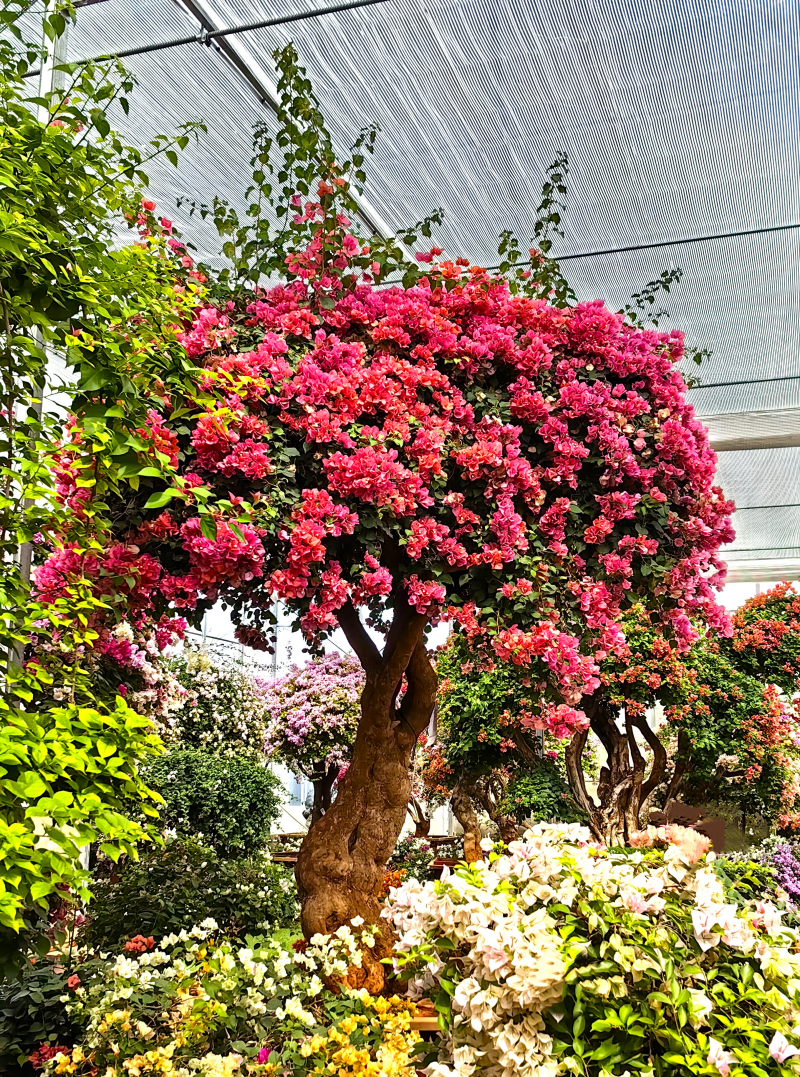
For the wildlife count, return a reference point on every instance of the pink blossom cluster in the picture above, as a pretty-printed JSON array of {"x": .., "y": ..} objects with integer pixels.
[
  {"x": 559, "y": 719},
  {"x": 480, "y": 455},
  {"x": 691, "y": 844},
  {"x": 312, "y": 714}
]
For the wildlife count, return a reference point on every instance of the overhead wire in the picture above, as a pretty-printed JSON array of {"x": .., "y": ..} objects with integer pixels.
[{"x": 207, "y": 37}]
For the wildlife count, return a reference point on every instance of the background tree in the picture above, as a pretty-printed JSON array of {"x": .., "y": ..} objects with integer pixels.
[
  {"x": 450, "y": 447},
  {"x": 728, "y": 736},
  {"x": 487, "y": 755},
  {"x": 312, "y": 717},
  {"x": 226, "y": 801}
]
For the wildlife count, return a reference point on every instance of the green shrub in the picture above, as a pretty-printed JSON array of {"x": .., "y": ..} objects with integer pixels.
[
  {"x": 541, "y": 794},
  {"x": 746, "y": 880},
  {"x": 32, "y": 1014},
  {"x": 228, "y": 802},
  {"x": 182, "y": 883}
]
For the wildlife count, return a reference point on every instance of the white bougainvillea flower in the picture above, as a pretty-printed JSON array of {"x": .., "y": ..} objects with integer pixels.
[
  {"x": 719, "y": 1057},
  {"x": 781, "y": 1049}
]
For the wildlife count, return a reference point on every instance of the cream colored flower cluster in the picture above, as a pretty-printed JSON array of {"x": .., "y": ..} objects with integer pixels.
[
  {"x": 202, "y": 983},
  {"x": 489, "y": 930}
]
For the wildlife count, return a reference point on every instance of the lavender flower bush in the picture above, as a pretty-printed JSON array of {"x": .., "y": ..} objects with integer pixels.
[{"x": 312, "y": 714}]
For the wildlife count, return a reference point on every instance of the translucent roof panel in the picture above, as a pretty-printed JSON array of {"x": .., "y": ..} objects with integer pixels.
[{"x": 680, "y": 120}]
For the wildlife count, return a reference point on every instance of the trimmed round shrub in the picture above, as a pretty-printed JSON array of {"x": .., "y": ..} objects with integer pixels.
[
  {"x": 181, "y": 883},
  {"x": 228, "y": 802}
]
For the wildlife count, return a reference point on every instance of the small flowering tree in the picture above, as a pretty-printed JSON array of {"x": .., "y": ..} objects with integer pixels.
[
  {"x": 731, "y": 731},
  {"x": 452, "y": 447},
  {"x": 221, "y": 708},
  {"x": 486, "y": 755},
  {"x": 311, "y": 721},
  {"x": 766, "y": 638}
]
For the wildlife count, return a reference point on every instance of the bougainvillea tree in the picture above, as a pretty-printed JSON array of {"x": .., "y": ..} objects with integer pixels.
[
  {"x": 486, "y": 755},
  {"x": 729, "y": 735},
  {"x": 311, "y": 721},
  {"x": 766, "y": 637},
  {"x": 383, "y": 456}
]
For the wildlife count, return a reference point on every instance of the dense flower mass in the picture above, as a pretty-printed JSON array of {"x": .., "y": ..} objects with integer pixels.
[
  {"x": 523, "y": 469},
  {"x": 312, "y": 714},
  {"x": 560, "y": 956},
  {"x": 223, "y": 707},
  {"x": 191, "y": 1004}
]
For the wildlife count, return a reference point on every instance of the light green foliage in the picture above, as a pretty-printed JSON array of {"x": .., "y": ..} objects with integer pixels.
[
  {"x": 181, "y": 883},
  {"x": 67, "y": 778},
  {"x": 66, "y": 288},
  {"x": 540, "y": 793}
]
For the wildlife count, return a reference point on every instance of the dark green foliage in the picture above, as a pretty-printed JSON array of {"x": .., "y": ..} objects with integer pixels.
[
  {"x": 175, "y": 886},
  {"x": 746, "y": 880},
  {"x": 226, "y": 801},
  {"x": 32, "y": 1013},
  {"x": 540, "y": 793},
  {"x": 479, "y": 710}
]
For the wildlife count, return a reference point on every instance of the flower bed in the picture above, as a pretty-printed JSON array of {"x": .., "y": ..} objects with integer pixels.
[
  {"x": 560, "y": 956},
  {"x": 194, "y": 1004}
]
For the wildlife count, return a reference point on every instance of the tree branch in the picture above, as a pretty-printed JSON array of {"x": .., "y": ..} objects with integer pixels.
[
  {"x": 420, "y": 697},
  {"x": 573, "y": 758},
  {"x": 402, "y": 639},
  {"x": 659, "y": 768},
  {"x": 681, "y": 766},
  {"x": 360, "y": 640}
]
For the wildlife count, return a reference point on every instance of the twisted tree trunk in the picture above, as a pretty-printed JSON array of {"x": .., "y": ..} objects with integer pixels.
[
  {"x": 322, "y": 779},
  {"x": 623, "y": 787},
  {"x": 462, "y": 801},
  {"x": 341, "y": 863},
  {"x": 421, "y": 821}
]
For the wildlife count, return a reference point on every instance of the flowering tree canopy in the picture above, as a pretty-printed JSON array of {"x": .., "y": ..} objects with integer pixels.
[
  {"x": 311, "y": 720},
  {"x": 766, "y": 637}
]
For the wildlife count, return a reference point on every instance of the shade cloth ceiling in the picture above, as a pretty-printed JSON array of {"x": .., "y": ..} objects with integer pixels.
[{"x": 680, "y": 120}]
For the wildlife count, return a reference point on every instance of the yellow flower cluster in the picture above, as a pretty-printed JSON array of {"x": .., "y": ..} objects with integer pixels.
[
  {"x": 68, "y": 1063},
  {"x": 155, "y": 1063},
  {"x": 361, "y": 1045}
]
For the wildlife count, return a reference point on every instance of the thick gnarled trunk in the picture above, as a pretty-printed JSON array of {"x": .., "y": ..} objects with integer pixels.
[
  {"x": 462, "y": 801},
  {"x": 340, "y": 867},
  {"x": 623, "y": 786}
]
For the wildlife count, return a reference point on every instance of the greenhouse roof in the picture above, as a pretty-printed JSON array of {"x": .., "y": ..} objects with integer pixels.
[{"x": 681, "y": 121}]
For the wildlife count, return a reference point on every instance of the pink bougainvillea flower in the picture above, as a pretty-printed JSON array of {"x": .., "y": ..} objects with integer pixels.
[{"x": 780, "y": 1049}]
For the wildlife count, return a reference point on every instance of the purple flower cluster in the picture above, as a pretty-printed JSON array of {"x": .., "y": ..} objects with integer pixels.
[
  {"x": 312, "y": 713},
  {"x": 787, "y": 870}
]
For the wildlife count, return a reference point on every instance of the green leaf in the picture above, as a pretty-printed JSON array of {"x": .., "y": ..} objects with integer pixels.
[{"x": 163, "y": 497}]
